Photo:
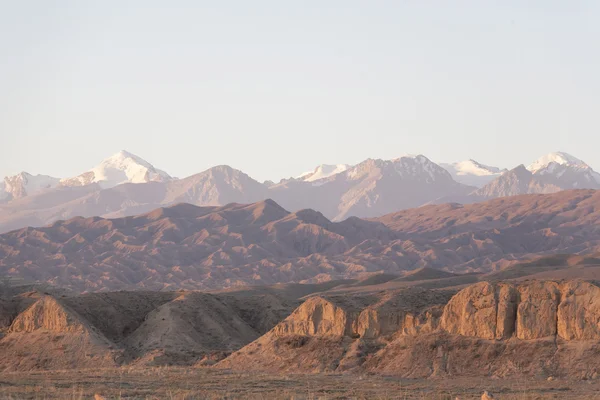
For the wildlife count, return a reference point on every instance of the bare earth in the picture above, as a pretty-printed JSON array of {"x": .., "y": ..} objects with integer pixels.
[{"x": 206, "y": 383}]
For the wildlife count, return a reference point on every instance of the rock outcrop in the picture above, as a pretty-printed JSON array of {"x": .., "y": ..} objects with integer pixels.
[
  {"x": 534, "y": 310},
  {"x": 532, "y": 328},
  {"x": 50, "y": 335},
  {"x": 536, "y": 314},
  {"x": 482, "y": 310},
  {"x": 47, "y": 314},
  {"x": 375, "y": 322},
  {"x": 578, "y": 314},
  {"x": 406, "y": 312},
  {"x": 316, "y": 317},
  {"x": 487, "y": 329}
]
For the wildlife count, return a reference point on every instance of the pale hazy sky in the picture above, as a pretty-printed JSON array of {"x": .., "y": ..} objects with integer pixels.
[{"x": 276, "y": 87}]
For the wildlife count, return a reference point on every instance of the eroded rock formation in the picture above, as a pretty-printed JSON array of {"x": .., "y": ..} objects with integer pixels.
[
  {"x": 48, "y": 314},
  {"x": 489, "y": 329},
  {"x": 534, "y": 310}
]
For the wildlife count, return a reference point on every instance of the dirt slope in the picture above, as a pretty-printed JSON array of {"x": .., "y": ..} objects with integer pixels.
[
  {"x": 138, "y": 328},
  {"x": 49, "y": 335}
]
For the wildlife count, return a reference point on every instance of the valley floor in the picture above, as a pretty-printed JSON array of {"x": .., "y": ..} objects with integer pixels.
[{"x": 204, "y": 383}]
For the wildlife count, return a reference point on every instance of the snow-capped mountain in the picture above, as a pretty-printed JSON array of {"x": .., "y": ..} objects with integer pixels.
[
  {"x": 371, "y": 188},
  {"x": 566, "y": 171},
  {"x": 548, "y": 174},
  {"x": 557, "y": 158},
  {"x": 23, "y": 184},
  {"x": 120, "y": 168},
  {"x": 409, "y": 167},
  {"x": 517, "y": 181},
  {"x": 471, "y": 172},
  {"x": 323, "y": 171}
]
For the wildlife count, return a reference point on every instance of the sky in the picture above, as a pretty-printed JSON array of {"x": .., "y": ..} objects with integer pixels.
[{"x": 275, "y": 88}]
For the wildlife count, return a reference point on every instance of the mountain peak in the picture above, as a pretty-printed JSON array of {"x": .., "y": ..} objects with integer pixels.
[
  {"x": 520, "y": 170},
  {"x": 323, "y": 171},
  {"x": 472, "y": 172},
  {"x": 413, "y": 156},
  {"x": 560, "y": 158},
  {"x": 224, "y": 168},
  {"x": 411, "y": 167},
  {"x": 24, "y": 183},
  {"x": 124, "y": 156},
  {"x": 122, "y": 167}
]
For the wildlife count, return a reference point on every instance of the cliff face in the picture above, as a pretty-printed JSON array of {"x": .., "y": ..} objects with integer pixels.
[
  {"x": 321, "y": 316},
  {"x": 528, "y": 311},
  {"x": 482, "y": 310},
  {"x": 578, "y": 314},
  {"x": 498, "y": 311},
  {"x": 491, "y": 329},
  {"x": 485, "y": 310},
  {"x": 314, "y": 317}
]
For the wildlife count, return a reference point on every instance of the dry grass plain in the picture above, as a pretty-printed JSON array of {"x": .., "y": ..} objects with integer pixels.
[{"x": 176, "y": 383}]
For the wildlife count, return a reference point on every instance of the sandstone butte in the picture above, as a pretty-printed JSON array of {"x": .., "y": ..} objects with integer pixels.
[
  {"x": 540, "y": 328},
  {"x": 536, "y": 310}
]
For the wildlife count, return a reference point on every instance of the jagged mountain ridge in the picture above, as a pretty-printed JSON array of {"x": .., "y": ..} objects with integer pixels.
[
  {"x": 122, "y": 167},
  {"x": 551, "y": 173},
  {"x": 372, "y": 188},
  {"x": 23, "y": 184},
  {"x": 191, "y": 247},
  {"x": 369, "y": 189}
]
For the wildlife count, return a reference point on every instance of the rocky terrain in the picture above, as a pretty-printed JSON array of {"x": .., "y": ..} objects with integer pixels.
[
  {"x": 422, "y": 327},
  {"x": 191, "y": 247},
  {"x": 535, "y": 328},
  {"x": 44, "y": 328}
]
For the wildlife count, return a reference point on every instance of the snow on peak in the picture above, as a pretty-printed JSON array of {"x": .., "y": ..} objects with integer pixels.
[
  {"x": 122, "y": 167},
  {"x": 473, "y": 173},
  {"x": 418, "y": 157},
  {"x": 323, "y": 171},
  {"x": 557, "y": 158},
  {"x": 24, "y": 184},
  {"x": 472, "y": 167},
  {"x": 411, "y": 167},
  {"x": 569, "y": 171},
  {"x": 420, "y": 167}
]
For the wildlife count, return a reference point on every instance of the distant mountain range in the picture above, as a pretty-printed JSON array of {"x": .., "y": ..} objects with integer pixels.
[
  {"x": 185, "y": 246},
  {"x": 125, "y": 184},
  {"x": 120, "y": 168}
]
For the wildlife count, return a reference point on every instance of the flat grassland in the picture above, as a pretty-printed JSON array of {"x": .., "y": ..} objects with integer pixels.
[{"x": 176, "y": 383}]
